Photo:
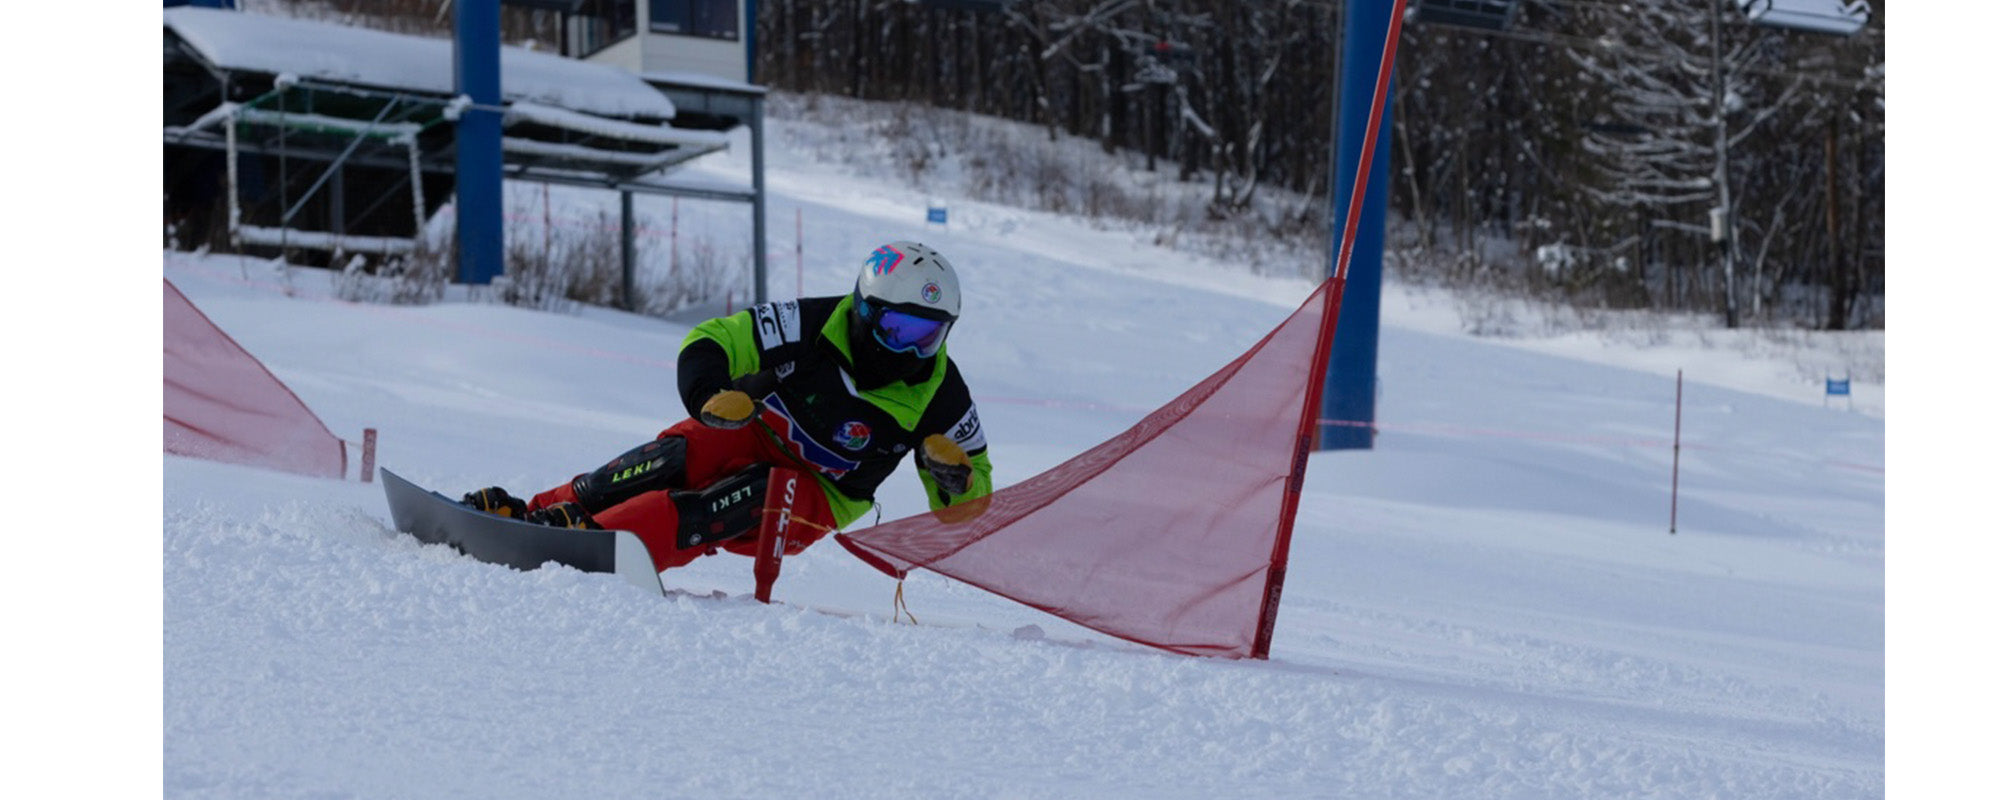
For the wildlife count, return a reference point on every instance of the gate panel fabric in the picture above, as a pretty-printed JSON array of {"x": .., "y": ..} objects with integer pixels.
[
  {"x": 221, "y": 403},
  {"x": 1171, "y": 534}
]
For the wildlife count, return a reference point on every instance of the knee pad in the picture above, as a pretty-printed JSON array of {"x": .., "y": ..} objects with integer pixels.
[
  {"x": 653, "y": 466},
  {"x": 725, "y": 510}
]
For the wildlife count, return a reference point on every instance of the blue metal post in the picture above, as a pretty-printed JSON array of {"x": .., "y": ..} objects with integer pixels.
[
  {"x": 749, "y": 23},
  {"x": 1349, "y": 396},
  {"x": 476, "y": 74}
]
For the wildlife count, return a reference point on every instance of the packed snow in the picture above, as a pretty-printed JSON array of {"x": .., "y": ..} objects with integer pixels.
[{"x": 1487, "y": 604}]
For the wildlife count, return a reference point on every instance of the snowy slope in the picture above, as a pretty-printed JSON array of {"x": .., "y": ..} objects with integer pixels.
[{"x": 1486, "y": 605}]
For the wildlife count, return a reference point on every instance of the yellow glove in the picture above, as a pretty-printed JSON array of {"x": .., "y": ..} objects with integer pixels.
[
  {"x": 946, "y": 462},
  {"x": 730, "y": 409}
]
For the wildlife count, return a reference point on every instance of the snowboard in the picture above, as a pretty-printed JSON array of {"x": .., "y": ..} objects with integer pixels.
[{"x": 436, "y": 519}]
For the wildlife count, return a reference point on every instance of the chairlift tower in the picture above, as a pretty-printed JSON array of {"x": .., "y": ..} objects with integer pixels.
[
  {"x": 1347, "y": 405},
  {"x": 475, "y": 58}
]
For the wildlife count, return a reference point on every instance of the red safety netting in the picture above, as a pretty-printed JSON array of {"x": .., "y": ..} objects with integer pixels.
[
  {"x": 222, "y": 404},
  {"x": 1172, "y": 534}
]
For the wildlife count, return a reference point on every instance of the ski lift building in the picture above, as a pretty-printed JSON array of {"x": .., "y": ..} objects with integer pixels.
[{"x": 291, "y": 134}]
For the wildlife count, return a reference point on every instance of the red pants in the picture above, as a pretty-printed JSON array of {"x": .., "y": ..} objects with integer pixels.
[{"x": 711, "y": 455}]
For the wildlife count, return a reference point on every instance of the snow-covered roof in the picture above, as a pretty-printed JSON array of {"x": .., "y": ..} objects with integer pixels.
[
  {"x": 700, "y": 81},
  {"x": 336, "y": 53},
  {"x": 528, "y": 111}
]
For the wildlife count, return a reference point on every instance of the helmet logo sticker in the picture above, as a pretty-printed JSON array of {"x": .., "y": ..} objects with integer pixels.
[
  {"x": 932, "y": 292},
  {"x": 884, "y": 260},
  {"x": 852, "y": 435}
]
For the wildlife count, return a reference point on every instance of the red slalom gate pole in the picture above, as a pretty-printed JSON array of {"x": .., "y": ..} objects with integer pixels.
[
  {"x": 1308, "y": 433},
  {"x": 1674, "y": 509},
  {"x": 367, "y": 455},
  {"x": 781, "y": 492}
]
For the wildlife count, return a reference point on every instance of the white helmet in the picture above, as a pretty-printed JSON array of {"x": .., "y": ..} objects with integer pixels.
[{"x": 907, "y": 296}]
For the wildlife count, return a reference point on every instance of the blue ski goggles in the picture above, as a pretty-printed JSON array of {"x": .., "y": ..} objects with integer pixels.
[{"x": 903, "y": 331}]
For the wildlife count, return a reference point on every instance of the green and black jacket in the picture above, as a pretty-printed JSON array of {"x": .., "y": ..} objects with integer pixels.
[{"x": 795, "y": 357}]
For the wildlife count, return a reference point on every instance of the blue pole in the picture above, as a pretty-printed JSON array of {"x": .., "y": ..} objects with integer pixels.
[
  {"x": 749, "y": 41},
  {"x": 476, "y": 74},
  {"x": 1348, "y": 400}
]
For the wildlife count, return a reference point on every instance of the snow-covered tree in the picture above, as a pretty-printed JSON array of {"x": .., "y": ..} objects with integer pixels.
[{"x": 1678, "y": 88}]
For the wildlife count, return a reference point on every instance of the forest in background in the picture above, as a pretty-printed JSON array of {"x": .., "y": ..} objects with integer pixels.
[
  {"x": 1579, "y": 155},
  {"x": 1574, "y": 154}
]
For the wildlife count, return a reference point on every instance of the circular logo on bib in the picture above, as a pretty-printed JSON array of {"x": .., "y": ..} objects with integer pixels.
[{"x": 852, "y": 435}]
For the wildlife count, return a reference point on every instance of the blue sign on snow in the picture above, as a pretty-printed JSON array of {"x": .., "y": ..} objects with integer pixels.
[
  {"x": 1836, "y": 387},
  {"x": 936, "y": 215}
]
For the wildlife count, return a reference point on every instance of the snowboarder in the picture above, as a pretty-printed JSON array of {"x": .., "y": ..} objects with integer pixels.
[{"x": 838, "y": 387}]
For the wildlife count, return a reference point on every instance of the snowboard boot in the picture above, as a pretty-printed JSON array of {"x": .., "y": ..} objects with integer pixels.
[
  {"x": 564, "y": 515},
  {"x": 495, "y": 500}
]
